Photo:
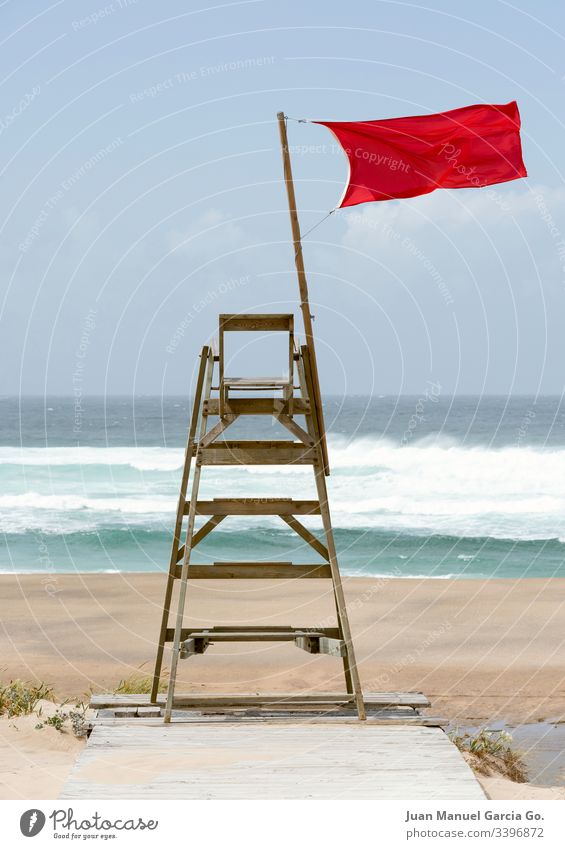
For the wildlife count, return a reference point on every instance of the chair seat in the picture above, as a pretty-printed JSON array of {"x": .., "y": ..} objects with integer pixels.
[{"x": 256, "y": 382}]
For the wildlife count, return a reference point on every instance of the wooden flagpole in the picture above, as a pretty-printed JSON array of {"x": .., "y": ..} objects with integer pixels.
[{"x": 303, "y": 286}]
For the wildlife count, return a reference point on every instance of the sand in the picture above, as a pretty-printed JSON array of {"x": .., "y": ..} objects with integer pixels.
[
  {"x": 34, "y": 763},
  {"x": 479, "y": 650}
]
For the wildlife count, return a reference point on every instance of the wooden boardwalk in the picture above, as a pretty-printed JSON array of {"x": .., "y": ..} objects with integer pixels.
[{"x": 258, "y": 760}]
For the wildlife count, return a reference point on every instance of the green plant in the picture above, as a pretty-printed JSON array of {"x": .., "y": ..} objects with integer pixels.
[
  {"x": 57, "y": 720},
  {"x": 140, "y": 682},
  {"x": 76, "y": 716},
  {"x": 484, "y": 742},
  {"x": 19, "y": 698},
  {"x": 78, "y": 720},
  {"x": 490, "y": 750}
]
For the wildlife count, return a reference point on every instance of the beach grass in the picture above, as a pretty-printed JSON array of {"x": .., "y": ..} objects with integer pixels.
[
  {"x": 489, "y": 752},
  {"x": 141, "y": 682},
  {"x": 19, "y": 698}
]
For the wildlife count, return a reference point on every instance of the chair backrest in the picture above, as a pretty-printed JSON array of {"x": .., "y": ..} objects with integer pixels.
[{"x": 249, "y": 322}]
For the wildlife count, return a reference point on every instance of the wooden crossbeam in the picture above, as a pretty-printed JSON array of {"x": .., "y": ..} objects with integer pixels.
[
  {"x": 249, "y": 452},
  {"x": 256, "y": 406},
  {"x": 218, "y": 429},
  {"x": 306, "y": 535},
  {"x": 256, "y": 321},
  {"x": 294, "y": 428},
  {"x": 262, "y": 571},
  {"x": 256, "y": 507},
  {"x": 201, "y": 534}
]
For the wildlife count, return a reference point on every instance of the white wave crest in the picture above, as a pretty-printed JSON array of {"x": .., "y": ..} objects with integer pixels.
[{"x": 429, "y": 487}]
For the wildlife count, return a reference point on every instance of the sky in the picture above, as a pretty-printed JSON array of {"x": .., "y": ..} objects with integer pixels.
[{"x": 142, "y": 194}]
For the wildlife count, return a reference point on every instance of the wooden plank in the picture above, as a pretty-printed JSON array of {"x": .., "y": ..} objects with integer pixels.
[
  {"x": 256, "y": 453},
  {"x": 218, "y": 429},
  {"x": 249, "y": 629},
  {"x": 257, "y": 507},
  {"x": 203, "y": 532},
  {"x": 177, "y": 631},
  {"x": 314, "y": 392},
  {"x": 375, "y": 700},
  {"x": 351, "y": 672},
  {"x": 294, "y": 428},
  {"x": 271, "y": 760},
  {"x": 306, "y": 535},
  {"x": 257, "y": 406},
  {"x": 255, "y": 321},
  {"x": 258, "y": 571},
  {"x": 198, "y": 536},
  {"x": 174, "y": 558},
  {"x": 243, "y": 636},
  {"x": 324, "y": 714}
]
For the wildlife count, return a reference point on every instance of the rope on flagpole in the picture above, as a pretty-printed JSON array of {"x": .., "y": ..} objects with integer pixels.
[
  {"x": 307, "y": 233},
  {"x": 321, "y": 221}
]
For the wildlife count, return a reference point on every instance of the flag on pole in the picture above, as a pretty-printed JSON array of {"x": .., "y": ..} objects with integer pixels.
[{"x": 470, "y": 147}]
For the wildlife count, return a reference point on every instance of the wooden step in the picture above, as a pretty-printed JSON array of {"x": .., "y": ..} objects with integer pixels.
[
  {"x": 260, "y": 571},
  {"x": 257, "y": 406},
  {"x": 313, "y": 643},
  {"x": 255, "y": 507},
  {"x": 243, "y": 636},
  {"x": 256, "y": 321},
  {"x": 251, "y": 633},
  {"x": 377, "y": 700},
  {"x": 250, "y": 452}
]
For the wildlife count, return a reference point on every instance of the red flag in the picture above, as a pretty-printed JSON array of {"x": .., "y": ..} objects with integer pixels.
[{"x": 403, "y": 157}]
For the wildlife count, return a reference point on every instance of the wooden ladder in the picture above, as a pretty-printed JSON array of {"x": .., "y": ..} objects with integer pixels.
[{"x": 207, "y": 449}]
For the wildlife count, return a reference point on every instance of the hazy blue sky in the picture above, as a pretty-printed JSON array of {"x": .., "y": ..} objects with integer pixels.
[{"x": 142, "y": 194}]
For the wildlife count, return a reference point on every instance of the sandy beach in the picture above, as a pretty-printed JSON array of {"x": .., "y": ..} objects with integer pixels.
[{"x": 480, "y": 650}]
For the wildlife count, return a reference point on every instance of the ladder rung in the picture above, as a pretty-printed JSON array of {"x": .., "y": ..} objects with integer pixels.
[
  {"x": 261, "y": 571},
  {"x": 256, "y": 453},
  {"x": 257, "y": 406},
  {"x": 256, "y": 321},
  {"x": 255, "y": 507},
  {"x": 251, "y": 632},
  {"x": 253, "y": 636}
]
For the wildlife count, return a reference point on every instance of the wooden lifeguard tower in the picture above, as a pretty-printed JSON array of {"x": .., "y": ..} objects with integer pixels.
[
  {"x": 297, "y": 745},
  {"x": 293, "y": 396}
]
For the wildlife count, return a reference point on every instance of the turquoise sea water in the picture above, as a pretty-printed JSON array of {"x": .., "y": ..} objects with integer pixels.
[{"x": 429, "y": 486}]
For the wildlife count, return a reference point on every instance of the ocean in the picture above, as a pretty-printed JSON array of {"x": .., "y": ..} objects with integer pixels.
[{"x": 428, "y": 486}]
